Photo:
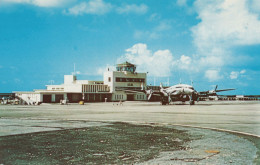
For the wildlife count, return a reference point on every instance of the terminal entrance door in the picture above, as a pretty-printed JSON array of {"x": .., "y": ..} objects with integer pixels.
[
  {"x": 47, "y": 98},
  {"x": 58, "y": 98},
  {"x": 130, "y": 97}
]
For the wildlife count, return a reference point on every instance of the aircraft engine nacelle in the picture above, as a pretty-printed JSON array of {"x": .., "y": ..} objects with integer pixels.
[{"x": 188, "y": 91}]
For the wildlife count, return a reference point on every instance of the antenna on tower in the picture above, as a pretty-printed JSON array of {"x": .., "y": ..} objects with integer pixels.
[{"x": 74, "y": 73}]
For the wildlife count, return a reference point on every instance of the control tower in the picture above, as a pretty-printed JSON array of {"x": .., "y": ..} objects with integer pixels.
[
  {"x": 125, "y": 78},
  {"x": 126, "y": 66}
]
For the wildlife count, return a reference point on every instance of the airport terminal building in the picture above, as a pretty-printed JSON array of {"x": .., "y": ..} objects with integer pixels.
[{"x": 116, "y": 86}]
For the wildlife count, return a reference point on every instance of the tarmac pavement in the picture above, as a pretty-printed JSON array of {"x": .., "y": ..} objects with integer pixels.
[{"x": 235, "y": 123}]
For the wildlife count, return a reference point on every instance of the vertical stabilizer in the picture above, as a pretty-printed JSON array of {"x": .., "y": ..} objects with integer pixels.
[
  {"x": 216, "y": 87},
  {"x": 161, "y": 85}
]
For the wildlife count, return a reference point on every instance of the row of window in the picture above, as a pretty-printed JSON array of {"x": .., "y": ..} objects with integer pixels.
[
  {"x": 130, "y": 84},
  {"x": 121, "y": 79},
  {"x": 130, "y": 69},
  {"x": 95, "y": 88},
  {"x": 57, "y": 88},
  {"x": 140, "y": 97},
  {"x": 119, "y": 97}
]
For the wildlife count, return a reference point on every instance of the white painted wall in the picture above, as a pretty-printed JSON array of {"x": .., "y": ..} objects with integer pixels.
[
  {"x": 69, "y": 79},
  {"x": 110, "y": 83},
  {"x": 73, "y": 88}
]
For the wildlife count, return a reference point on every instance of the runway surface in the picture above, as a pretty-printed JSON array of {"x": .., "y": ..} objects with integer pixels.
[{"x": 235, "y": 123}]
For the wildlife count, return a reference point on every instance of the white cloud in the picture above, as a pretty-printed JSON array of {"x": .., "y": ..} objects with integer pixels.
[
  {"x": 185, "y": 60},
  {"x": 40, "y": 3},
  {"x": 213, "y": 75},
  {"x": 213, "y": 61},
  {"x": 98, "y": 7},
  {"x": 224, "y": 24},
  {"x": 158, "y": 63},
  {"x": 234, "y": 75},
  {"x": 133, "y": 8},
  {"x": 181, "y": 2},
  {"x": 243, "y": 71},
  {"x": 49, "y": 3}
]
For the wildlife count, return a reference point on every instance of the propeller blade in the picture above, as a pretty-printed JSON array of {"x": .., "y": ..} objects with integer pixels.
[
  {"x": 169, "y": 98},
  {"x": 149, "y": 97},
  {"x": 150, "y": 92}
]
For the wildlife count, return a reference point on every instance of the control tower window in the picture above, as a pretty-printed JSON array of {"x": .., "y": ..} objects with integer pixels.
[{"x": 126, "y": 66}]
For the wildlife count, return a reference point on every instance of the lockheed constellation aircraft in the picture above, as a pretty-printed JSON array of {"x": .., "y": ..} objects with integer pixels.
[{"x": 181, "y": 92}]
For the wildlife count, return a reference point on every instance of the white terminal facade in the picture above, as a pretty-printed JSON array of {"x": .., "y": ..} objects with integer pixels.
[{"x": 115, "y": 87}]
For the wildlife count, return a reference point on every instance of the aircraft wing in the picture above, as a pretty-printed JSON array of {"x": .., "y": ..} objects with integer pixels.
[
  {"x": 133, "y": 91},
  {"x": 157, "y": 93},
  {"x": 224, "y": 90}
]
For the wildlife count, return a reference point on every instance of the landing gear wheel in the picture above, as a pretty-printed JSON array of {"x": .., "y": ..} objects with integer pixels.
[
  {"x": 163, "y": 103},
  {"x": 192, "y": 102}
]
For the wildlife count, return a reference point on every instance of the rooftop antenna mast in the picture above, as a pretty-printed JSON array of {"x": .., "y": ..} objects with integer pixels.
[{"x": 51, "y": 81}]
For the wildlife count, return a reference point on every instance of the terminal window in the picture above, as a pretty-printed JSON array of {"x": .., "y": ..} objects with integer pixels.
[{"x": 120, "y": 79}]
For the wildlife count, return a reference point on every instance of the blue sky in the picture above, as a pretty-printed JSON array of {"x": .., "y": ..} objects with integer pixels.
[{"x": 207, "y": 42}]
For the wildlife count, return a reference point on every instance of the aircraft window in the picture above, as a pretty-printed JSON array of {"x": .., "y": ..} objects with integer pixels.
[{"x": 178, "y": 87}]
